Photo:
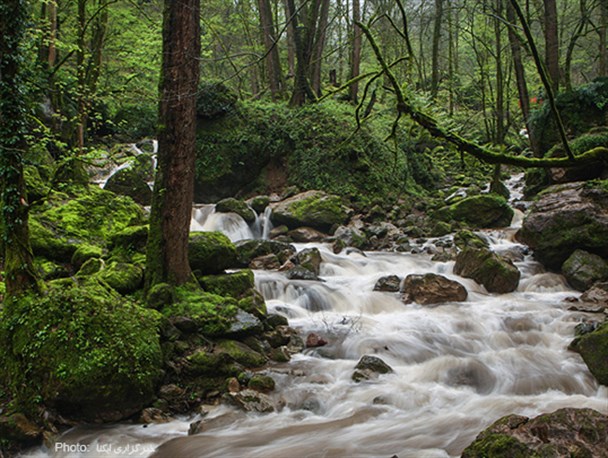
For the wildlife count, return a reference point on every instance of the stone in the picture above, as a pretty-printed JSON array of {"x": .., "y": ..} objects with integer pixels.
[
  {"x": 130, "y": 182},
  {"x": 153, "y": 415},
  {"x": 252, "y": 401},
  {"x": 466, "y": 238},
  {"x": 211, "y": 252},
  {"x": 389, "y": 283},
  {"x": 496, "y": 274},
  {"x": 566, "y": 218},
  {"x": 266, "y": 262},
  {"x": 244, "y": 324},
  {"x": 315, "y": 209},
  {"x": 483, "y": 211},
  {"x": 261, "y": 383},
  {"x": 247, "y": 250},
  {"x": 301, "y": 273},
  {"x": 593, "y": 348},
  {"x": 598, "y": 293},
  {"x": 565, "y": 432},
  {"x": 123, "y": 277},
  {"x": 232, "y": 205},
  {"x": 432, "y": 289},
  {"x": 350, "y": 236},
  {"x": 314, "y": 340},
  {"x": 582, "y": 269},
  {"x": 306, "y": 235},
  {"x": 259, "y": 203},
  {"x": 370, "y": 367},
  {"x": 308, "y": 258}
]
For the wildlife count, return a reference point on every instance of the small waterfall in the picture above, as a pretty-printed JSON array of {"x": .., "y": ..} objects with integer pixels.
[
  {"x": 262, "y": 225},
  {"x": 205, "y": 218}
]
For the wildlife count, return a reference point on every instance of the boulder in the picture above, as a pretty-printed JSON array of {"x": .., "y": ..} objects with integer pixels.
[
  {"x": 247, "y": 250},
  {"x": 432, "y": 289},
  {"x": 259, "y": 203},
  {"x": 266, "y": 262},
  {"x": 496, "y": 274},
  {"x": 261, "y": 383},
  {"x": 598, "y": 294},
  {"x": 390, "y": 283},
  {"x": 234, "y": 284},
  {"x": 315, "y": 340},
  {"x": 232, "y": 205},
  {"x": 306, "y": 235},
  {"x": 465, "y": 238},
  {"x": 309, "y": 259},
  {"x": 129, "y": 181},
  {"x": 593, "y": 348},
  {"x": 565, "y": 432},
  {"x": 483, "y": 211},
  {"x": 315, "y": 209},
  {"x": 565, "y": 218},
  {"x": 252, "y": 401},
  {"x": 349, "y": 236},
  {"x": 211, "y": 252},
  {"x": 301, "y": 273},
  {"x": 122, "y": 277},
  {"x": 370, "y": 367},
  {"x": 582, "y": 269}
]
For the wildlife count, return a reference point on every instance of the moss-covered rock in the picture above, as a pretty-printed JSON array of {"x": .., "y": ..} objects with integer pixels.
[
  {"x": 497, "y": 274},
  {"x": 123, "y": 277},
  {"x": 262, "y": 383},
  {"x": 316, "y": 209},
  {"x": 160, "y": 295},
  {"x": 240, "y": 353},
  {"x": 232, "y": 205},
  {"x": 234, "y": 284},
  {"x": 131, "y": 238},
  {"x": 465, "y": 238},
  {"x": 483, "y": 211},
  {"x": 49, "y": 270},
  {"x": 83, "y": 351},
  {"x": 583, "y": 269},
  {"x": 248, "y": 250},
  {"x": 85, "y": 252},
  {"x": 211, "y": 252},
  {"x": 593, "y": 347},
  {"x": 128, "y": 181},
  {"x": 47, "y": 243},
  {"x": 259, "y": 203},
  {"x": 253, "y": 302}
]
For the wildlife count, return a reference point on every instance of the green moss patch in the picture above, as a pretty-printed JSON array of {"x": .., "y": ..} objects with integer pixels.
[
  {"x": 210, "y": 252},
  {"x": 234, "y": 284}
]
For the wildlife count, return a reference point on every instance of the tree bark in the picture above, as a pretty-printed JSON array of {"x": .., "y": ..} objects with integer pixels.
[
  {"x": 552, "y": 43},
  {"x": 435, "y": 74},
  {"x": 500, "y": 84},
  {"x": 318, "y": 47},
  {"x": 269, "y": 37},
  {"x": 355, "y": 63},
  {"x": 167, "y": 250},
  {"x": 603, "y": 39},
  {"x": 17, "y": 253}
]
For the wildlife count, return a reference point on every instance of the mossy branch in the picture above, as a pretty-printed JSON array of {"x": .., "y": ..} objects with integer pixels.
[{"x": 406, "y": 106}]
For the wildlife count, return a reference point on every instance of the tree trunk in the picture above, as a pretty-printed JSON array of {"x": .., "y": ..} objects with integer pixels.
[
  {"x": 167, "y": 250},
  {"x": 273, "y": 64},
  {"x": 355, "y": 62},
  {"x": 303, "y": 44},
  {"x": 552, "y": 43},
  {"x": 81, "y": 76},
  {"x": 435, "y": 74},
  {"x": 17, "y": 253},
  {"x": 291, "y": 47},
  {"x": 500, "y": 89},
  {"x": 572, "y": 44},
  {"x": 603, "y": 39},
  {"x": 318, "y": 47}
]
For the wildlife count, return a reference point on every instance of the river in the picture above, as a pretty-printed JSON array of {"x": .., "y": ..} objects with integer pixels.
[{"x": 457, "y": 367}]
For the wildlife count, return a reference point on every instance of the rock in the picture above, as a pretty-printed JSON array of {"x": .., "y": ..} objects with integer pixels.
[
  {"x": 593, "y": 348},
  {"x": 259, "y": 203},
  {"x": 597, "y": 294},
  {"x": 85, "y": 252},
  {"x": 234, "y": 284},
  {"x": 466, "y": 238},
  {"x": 565, "y": 218},
  {"x": 211, "y": 252},
  {"x": 349, "y": 236},
  {"x": 261, "y": 383},
  {"x": 370, "y": 367},
  {"x": 483, "y": 211},
  {"x": 232, "y": 205},
  {"x": 390, "y": 283},
  {"x": 582, "y": 269},
  {"x": 565, "y": 432},
  {"x": 18, "y": 428},
  {"x": 306, "y": 235},
  {"x": 309, "y": 259},
  {"x": 312, "y": 208},
  {"x": 130, "y": 182},
  {"x": 496, "y": 274},
  {"x": 123, "y": 277},
  {"x": 266, "y": 262},
  {"x": 252, "y": 401},
  {"x": 432, "y": 289},
  {"x": 233, "y": 385},
  {"x": 244, "y": 324},
  {"x": 314, "y": 340},
  {"x": 159, "y": 295},
  {"x": 132, "y": 238},
  {"x": 152, "y": 415},
  {"x": 301, "y": 273},
  {"x": 247, "y": 250}
]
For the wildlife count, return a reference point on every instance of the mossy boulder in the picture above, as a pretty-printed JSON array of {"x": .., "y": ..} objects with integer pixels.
[
  {"x": 234, "y": 284},
  {"x": 83, "y": 351},
  {"x": 130, "y": 239},
  {"x": 565, "y": 432},
  {"x": 211, "y": 252},
  {"x": 240, "y": 353},
  {"x": 583, "y": 269},
  {"x": 232, "y": 205},
  {"x": 248, "y": 250},
  {"x": 122, "y": 277},
  {"x": 593, "y": 348},
  {"x": 566, "y": 218},
  {"x": 129, "y": 181},
  {"x": 315, "y": 209},
  {"x": 465, "y": 238},
  {"x": 370, "y": 367},
  {"x": 432, "y": 288},
  {"x": 497, "y": 274},
  {"x": 482, "y": 211},
  {"x": 310, "y": 259},
  {"x": 259, "y": 203},
  {"x": 45, "y": 242},
  {"x": 85, "y": 252}
]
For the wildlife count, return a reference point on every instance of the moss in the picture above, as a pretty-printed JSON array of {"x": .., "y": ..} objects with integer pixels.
[
  {"x": 210, "y": 252},
  {"x": 254, "y": 303},
  {"x": 122, "y": 277},
  {"x": 49, "y": 244},
  {"x": 131, "y": 238},
  {"x": 465, "y": 238},
  {"x": 213, "y": 314},
  {"x": 323, "y": 211},
  {"x": 262, "y": 383},
  {"x": 483, "y": 211},
  {"x": 85, "y": 252},
  {"x": 82, "y": 350},
  {"x": 248, "y": 250},
  {"x": 239, "y": 207},
  {"x": 240, "y": 353},
  {"x": 234, "y": 284},
  {"x": 206, "y": 363},
  {"x": 593, "y": 347},
  {"x": 49, "y": 270},
  {"x": 90, "y": 267},
  {"x": 160, "y": 295},
  {"x": 497, "y": 445}
]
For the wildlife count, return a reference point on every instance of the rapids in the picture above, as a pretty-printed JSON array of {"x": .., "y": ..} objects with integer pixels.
[{"x": 457, "y": 367}]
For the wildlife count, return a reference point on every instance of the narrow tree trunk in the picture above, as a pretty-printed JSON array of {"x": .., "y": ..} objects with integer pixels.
[
  {"x": 302, "y": 42},
  {"x": 500, "y": 89},
  {"x": 273, "y": 64},
  {"x": 355, "y": 62},
  {"x": 167, "y": 251},
  {"x": 291, "y": 47},
  {"x": 318, "y": 47},
  {"x": 603, "y": 39},
  {"x": 435, "y": 74},
  {"x": 572, "y": 44},
  {"x": 81, "y": 76},
  {"x": 98, "y": 38},
  {"x": 18, "y": 258},
  {"x": 552, "y": 43}
]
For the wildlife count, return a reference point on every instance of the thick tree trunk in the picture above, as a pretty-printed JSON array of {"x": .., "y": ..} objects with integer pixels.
[
  {"x": 273, "y": 64},
  {"x": 318, "y": 47},
  {"x": 552, "y": 43},
  {"x": 302, "y": 43},
  {"x": 167, "y": 251},
  {"x": 355, "y": 62},
  {"x": 603, "y": 39},
  {"x": 17, "y": 253}
]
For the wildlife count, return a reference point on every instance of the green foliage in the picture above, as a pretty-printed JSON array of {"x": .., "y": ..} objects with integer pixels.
[
  {"x": 83, "y": 350},
  {"x": 214, "y": 99}
]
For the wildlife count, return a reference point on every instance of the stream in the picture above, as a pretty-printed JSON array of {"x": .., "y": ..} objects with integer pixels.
[{"x": 458, "y": 367}]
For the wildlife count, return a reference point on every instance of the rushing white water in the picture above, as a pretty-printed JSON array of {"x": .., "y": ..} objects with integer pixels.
[
  {"x": 457, "y": 367},
  {"x": 205, "y": 218}
]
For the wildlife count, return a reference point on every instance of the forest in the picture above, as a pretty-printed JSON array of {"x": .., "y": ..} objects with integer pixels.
[{"x": 345, "y": 228}]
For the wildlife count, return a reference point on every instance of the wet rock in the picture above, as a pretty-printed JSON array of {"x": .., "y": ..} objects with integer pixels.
[
  {"x": 252, "y": 401},
  {"x": 585, "y": 328},
  {"x": 261, "y": 383},
  {"x": 247, "y": 250},
  {"x": 565, "y": 432},
  {"x": 233, "y": 385},
  {"x": 315, "y": 340},
  {"x": 266, "y": 262},
  {"x": 234, "y": 284},
  {"x": 232, "y": 205},
  {"x": 496, "y": 274},
  {"x": 245, "y": 324},
  {"x": 483, "y": 211},
  {"x": 593, "y": 348},
  {"x": 17, "y": 427},
  {"x": 306, "y": 235},
  {"x": 308, "y": 258},
  {"x": 152, "y": 415},
  {"x": 598, "y": 294},
  {"x": 582, "y": 269},
  {"x": 432, "y": 289},
  {"x": 130, "y": 182},
  {"x": 315, "y": 209},
  {"x": 211, "y": 252},
  {"x": 259, "y": 203},
  {"x": 390, "y": 283},
  {"x": 370, "y": 367},
  {"x": 565, "y": 218},
  {"x": 301, "y": 273}
]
